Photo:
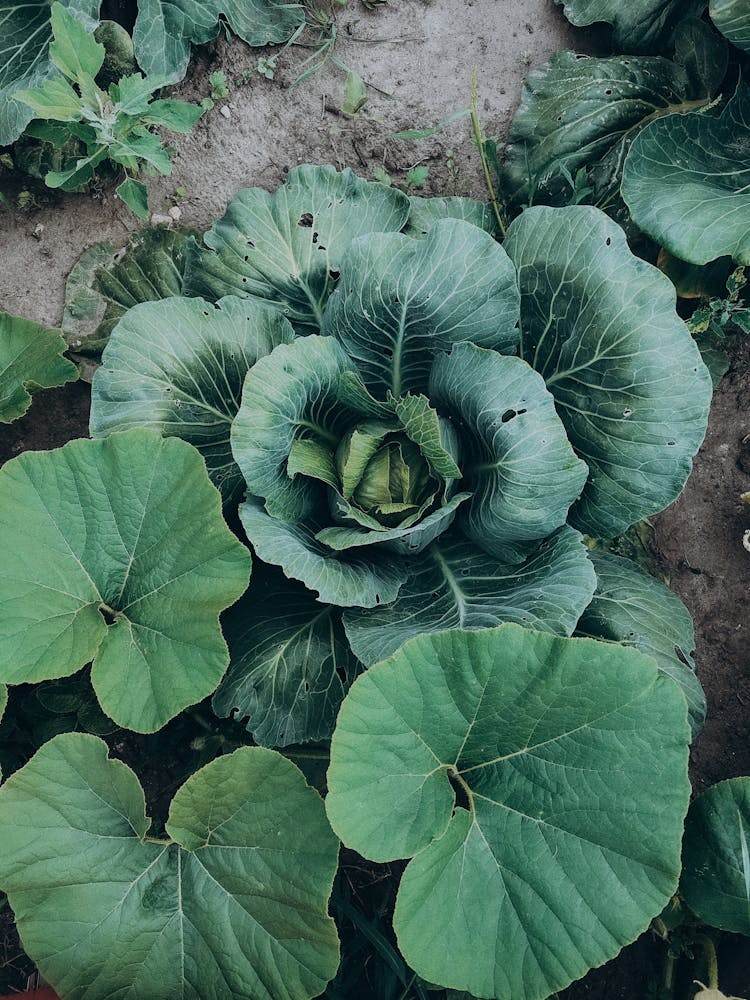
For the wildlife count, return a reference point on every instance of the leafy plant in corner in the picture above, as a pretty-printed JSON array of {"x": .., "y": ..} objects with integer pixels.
[{"x": 113, "y": 127}]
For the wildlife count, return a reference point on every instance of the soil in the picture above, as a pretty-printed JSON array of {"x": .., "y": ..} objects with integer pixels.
[{"x": 422, "y": 54}]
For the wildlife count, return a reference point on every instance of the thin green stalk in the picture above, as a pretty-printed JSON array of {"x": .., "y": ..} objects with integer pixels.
[
  {"x": 476, "y": 129},
  {"x": 712, "y": 962}
]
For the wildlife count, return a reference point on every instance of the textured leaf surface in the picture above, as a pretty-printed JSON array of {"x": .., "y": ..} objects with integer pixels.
[
  {"x": 686, "y": 182},
  {"x": 716, "y": 856},
  {"x": 632, "y": 608},
  {"x": 600, "y": 326},
  {"x": 455, "y": 584},
  {"x": 234, "y": 905},
  {"x": 732, "y": 18},
  {"x": 165, "y": 29},
  {"x": 639, "y": 25},
  {"x": 289, "y": 246},
  {"x": 179, "y": 366},
  {"x": 116, "y": 551},
  {"x": 573, "y": 757},
  {"x": 289, "y": 667},
  {"x": 425, "y": 212},
  {"x": 30, "y": 358},
  {"x": 575, "y": 111},
  {"x": 401, "y": 300},
  {"x": 105, "y": 283},
  {"x": 519, "y": 465},
  {"x": 26, "y": 32}
]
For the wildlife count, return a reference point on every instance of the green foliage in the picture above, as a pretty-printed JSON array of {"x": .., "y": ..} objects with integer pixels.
[
  {"x": 219, "y": 85},
  {"x": 113, "y": 126},
  {"x": 30, "y": 359}
]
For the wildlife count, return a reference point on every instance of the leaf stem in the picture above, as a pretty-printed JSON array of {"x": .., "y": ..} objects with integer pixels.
[
  {"x": 712, "y": 962},
  {"x": 476, "y": 129}
]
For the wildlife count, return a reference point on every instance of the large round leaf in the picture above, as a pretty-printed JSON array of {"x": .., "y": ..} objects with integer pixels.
[
  {"x": 455, "y": 584},
  {"x": 234, "y": 904},
  {"x": 289, "y": 247},
  {"x": 629, "y": 383},
  {"x": 638, "y": 25},
  {"x": 116, "y": 551},
  {"x": 686, "y": 182},
  {"x": 518, "y": 462},
  {"x": 179, "y": 366},
  {"x": 575, "y": 111},
  {"x": 716, "y": 856},
  {"x": 732, "y": 18},
  {"x": 289, "y": 667},
  {"x": 633, "y": 608},
  {"x": 571, "y": 757},
  {"x": 30, "y": 358},
  {"x": 401, "y": 300}
]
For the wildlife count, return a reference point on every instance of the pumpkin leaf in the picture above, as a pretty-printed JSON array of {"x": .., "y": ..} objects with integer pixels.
[{"x": 30, "y": 359}]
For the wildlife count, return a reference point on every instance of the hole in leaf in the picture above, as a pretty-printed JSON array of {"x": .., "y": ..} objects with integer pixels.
[
  {"x": 306, "y": 221},
  {"x": 337, "y": 274},
  {"x": 608, "y": 91},
  {"x": 315, "y": 237},
  {"x": 671, "y": 443},
  {"x": 608, "y": 241}
]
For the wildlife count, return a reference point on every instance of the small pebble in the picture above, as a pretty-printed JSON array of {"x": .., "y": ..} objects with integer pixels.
[{"x": 224, "y": 110}]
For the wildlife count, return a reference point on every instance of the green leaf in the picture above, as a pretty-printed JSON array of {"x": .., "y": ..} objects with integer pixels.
[
  {"x": 347, "y": 579},
  {"x": 132, "y": 94},
  {"x": 685, "y": 182},
  {"x": 30, "y": 358},
  {"x": 116, "y": 551},
  {"x": 402, "y": 300},
  {"x": 135, "y": 195},
  {"x": 600, "y": 326},
  {"x": 24, "y": 60},
  {"x": 290, "y": 664},
  {"x": 53, "y": 100},
  {"x": 704, "y": 54},
  {"x": 178, "y": 116},
  {"x": 576, "y": 112},
  {"x": 425, "y": 212},
  {"x": 455, "y": 584},
  {"x": 716, "y": 856},
  {"x": 732, "y": 18},
  {"x": 74, "y": 50},
  {"x": 165, "y": 29},
  {"x": 178, "y": 366},
  {"x": 289, "y": 246},
  {"x": 105, "y": 283},
  {"x": 643, "y": 26},
  {"x": 234, "y": 904},
  {"x": 632, "y": 608},
  {"x": 82, "y": 171},
  {"x": 520, "y": 467},
  {"x": 571, "y": 756}
]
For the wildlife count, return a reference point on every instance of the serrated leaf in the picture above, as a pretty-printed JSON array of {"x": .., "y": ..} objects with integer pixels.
[
  {"x": 455, "y": 584},
  {"x": 732, "y": 18},
  {"x": 685, "y": 182},
  {"x": 632, "y": 608},
  {"x": 290, "y": 665},
  {"x": 289, "y": 246},
  {"x": 642, "y": 26},
  {"x": 30, "y": 359},
  {"x": 165, "y": 31},
  {"x": 234, "y": 904},
  {"x": 716, "y": 856},
  {"x": 135, "y": 195},
  {"x": 116, "y": 551},
  {"x": 24, "y": 61},
  {"x": 572, "y": 757},
  {"x": 401, "y": 300},
  {"x": 600, "y": 325},
  {"x": 178, "y": 366}
]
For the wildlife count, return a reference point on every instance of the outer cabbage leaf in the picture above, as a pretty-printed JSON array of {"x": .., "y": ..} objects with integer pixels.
[
  {"x": 30, "y": 358},
  {"x": 104, "y": 283},
  {"x": 572, "y": 756},
  {"x": 732, "y": 18},
  {"x": 629, "y": 384},
  {"x": 179, "y": 366},
  {"x": 519, "y": 465},
  {"x": 400, "y": 301},
  {"x": 455, "y": 584},
  {"x": 716, "y": 856},
  {"x": 290, "y": 665},
  {"x": 233, "y": 904},
  {"x": 639, "y": 25},
  {"x": 425, "y": 212},
  {"x": 116, "y": 551},
  {"x": 165, "y": 29},
  {"x": 686, "y": 182},
  {"x": 577, "y": 111},
  {"x": 289, "y": 246},
  {"x": 26, "y": 31},
  {"x": 632, "y": 608}
]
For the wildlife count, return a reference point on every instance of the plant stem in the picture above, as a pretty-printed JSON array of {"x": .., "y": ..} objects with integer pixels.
[
  {"x": 476, "y": 129},
  {"x": 712, "y": 962}
]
